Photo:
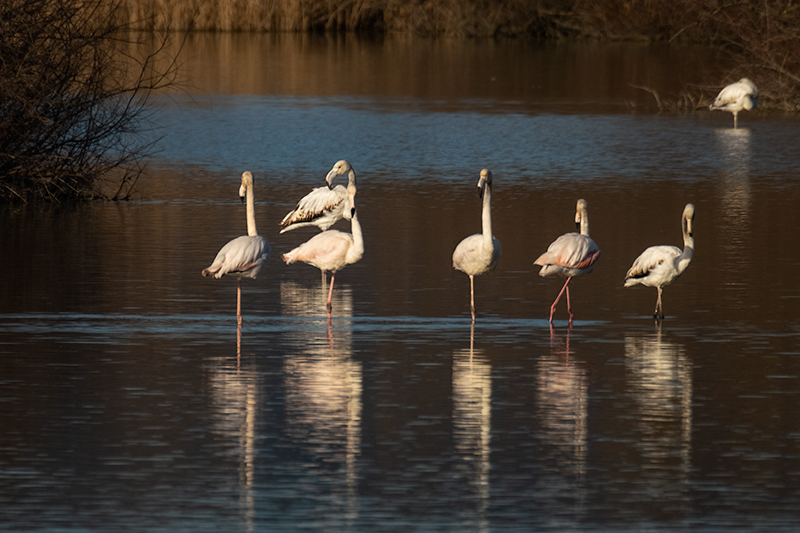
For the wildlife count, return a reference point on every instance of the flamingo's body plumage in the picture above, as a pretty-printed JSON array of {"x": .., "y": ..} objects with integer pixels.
[
  {"x": 479, "y": 253},
  {"x": 735, "y": 97},
  {"x": 572, "y": 254},
  {"x": 245, "y": 256},
  {"x": 658, "y": 266}
]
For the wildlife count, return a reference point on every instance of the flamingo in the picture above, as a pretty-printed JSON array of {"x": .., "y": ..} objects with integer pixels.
[
  {"x": 737, "y": 96},
  {"x": 658, "y": 266},
  {"x": 572, "y": 254},
  {"x": 323, "y": 206},
  {"x": 245, "y": 256},
  {"x": 479, "y": 253},
  {"x": 332, "y": 250}
]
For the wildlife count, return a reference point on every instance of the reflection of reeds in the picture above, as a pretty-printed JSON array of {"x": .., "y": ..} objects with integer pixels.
[
  {"x": 251, "y": 15},
  {"x": 764, "y": 47},
  {"x": 428, "y": 17}
]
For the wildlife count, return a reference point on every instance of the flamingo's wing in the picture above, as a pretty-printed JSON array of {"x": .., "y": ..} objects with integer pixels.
[
  {"x": 322, "y": 207},
  {"x": 736, "y": 94},
  {"x": 571, "y": 250},
  {"x": 650, "y": 259},
  {"x": 242, "y": 254}
]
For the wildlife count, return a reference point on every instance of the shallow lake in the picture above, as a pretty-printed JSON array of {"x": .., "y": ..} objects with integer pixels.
[{"x": 130, "y": 400}]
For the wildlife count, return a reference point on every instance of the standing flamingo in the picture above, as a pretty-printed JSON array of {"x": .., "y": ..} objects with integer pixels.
[
  {"x": 658, "y": 266},
  {"x": 245, "y": 256},
  {"x": 572, "y": 254},
  {"x": 479, "y": 253},
  {"x": 737, "y": 96},
  {"x": 332, "y": 250},
  {"x": 323, "y": 206}
]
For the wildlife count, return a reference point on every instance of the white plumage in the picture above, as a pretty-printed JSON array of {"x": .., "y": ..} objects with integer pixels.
[
  {"x": 332, "y": 250},
  {"x": 735, "y": 97},
  {"x": 323, "y": 206},
  {"x": 658, "y": 266},
  {"x": 572, "y": 254},
  {"x": 245, "y": 256},
  {"x": 479, "y": 253}
]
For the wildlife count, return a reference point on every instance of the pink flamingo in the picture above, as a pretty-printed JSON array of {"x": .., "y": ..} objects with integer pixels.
[
  {"x": 572, "y": 254},
  {"x": 332, "y": 249},
  {"x": 245, "y": 256}
]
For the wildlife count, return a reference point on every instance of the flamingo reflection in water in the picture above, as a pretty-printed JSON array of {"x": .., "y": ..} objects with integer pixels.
[
  {"x": 245, "y": 256},
  {"x": 659, "y": 394},
  {"x": 735, "y": 189},
  {"x": 322, "y": 396},
  {"x": 332, "y": 250},
  {"x": 472, "y": 422},
  {"x": 479, "y": 253},
  {"x": 300, "y": 300},
  {"x": 562, "y": 411},
  {"x": 235, "y": 404},
  {"x": 742, "y": 95},
  {"x": 658, "y": 266},
  {"x": 572, "y": 254}
]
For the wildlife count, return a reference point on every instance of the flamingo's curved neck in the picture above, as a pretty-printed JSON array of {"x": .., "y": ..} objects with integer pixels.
[
  {"x": 251, "y": 212},
  {"x": 486, "y": 214},
  {"x": 584, "y": 223},
  {"x": 358, "y": 240},
  {"x": 688, "y": 247}
]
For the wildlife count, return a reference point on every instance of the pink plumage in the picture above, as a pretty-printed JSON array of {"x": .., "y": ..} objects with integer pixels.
[{"x": 572, "y": 254}]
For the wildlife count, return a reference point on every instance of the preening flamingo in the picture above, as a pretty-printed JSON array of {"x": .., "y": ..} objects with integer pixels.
[
  {"x": 332, "y": 249},
  {"x": 572, "y": 254},
  {"x": 737, "y": 96},
  {"x": 479, "y": 253},
  {"x": 245, "y": 256},
  {"x": 323, "y": 206},
  {"x": 658, "y": 266}
]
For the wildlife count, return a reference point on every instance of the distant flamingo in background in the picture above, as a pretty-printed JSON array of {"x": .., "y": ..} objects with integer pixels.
[
  {"x": 479, "y": 253},
  {"x": 245, "y": 256},
  {"x": 737, "y": 96},
  {"x": 658, "y": 266},
  {"x": 323, "y": 206},
  {"x": 572, "y": 254},
  {"x": 332, "y": 250}
]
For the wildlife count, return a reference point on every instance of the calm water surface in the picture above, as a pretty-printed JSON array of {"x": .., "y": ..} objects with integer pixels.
[{"x": 129, "y": 400}]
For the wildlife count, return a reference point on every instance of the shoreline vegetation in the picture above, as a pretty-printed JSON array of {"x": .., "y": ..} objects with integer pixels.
[
  {"x": 762, "y": 37},
  {"x": 74, "y": 85}
]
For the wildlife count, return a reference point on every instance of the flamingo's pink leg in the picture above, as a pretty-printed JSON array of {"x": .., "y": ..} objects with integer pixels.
[
  {"x": 553, "y": 307},
  {"x": 472, "y": 297},
  {"x": 330, "y": 294},
  {"x": 239, "y": 302}
]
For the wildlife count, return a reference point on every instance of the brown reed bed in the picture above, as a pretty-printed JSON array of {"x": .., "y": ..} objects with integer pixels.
[{"x": 760, "y": 36}]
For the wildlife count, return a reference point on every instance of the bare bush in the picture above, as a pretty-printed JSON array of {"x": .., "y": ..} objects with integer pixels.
[{"x": 73, "y": 97}]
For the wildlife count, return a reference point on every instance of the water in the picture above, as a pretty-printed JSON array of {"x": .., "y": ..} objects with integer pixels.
[{"x": 130, "y": 400}]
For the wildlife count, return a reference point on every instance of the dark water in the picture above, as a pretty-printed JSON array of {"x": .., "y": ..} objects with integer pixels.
[{"x": 128, "y": 400}]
